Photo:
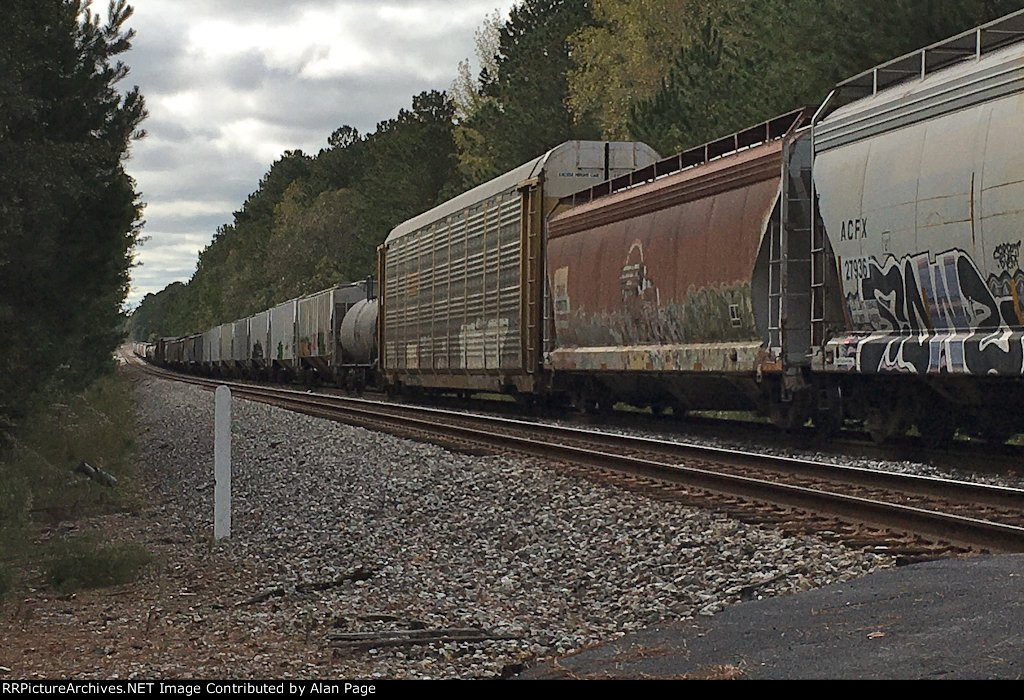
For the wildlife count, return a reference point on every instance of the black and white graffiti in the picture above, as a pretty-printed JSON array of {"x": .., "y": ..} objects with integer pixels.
[
  {"x": 927, "y": 313},
  {"x": 1007, "y": 256}
]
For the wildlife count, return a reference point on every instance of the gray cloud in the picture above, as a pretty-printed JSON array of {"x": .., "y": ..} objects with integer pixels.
[{"x": 231, "y": 85}]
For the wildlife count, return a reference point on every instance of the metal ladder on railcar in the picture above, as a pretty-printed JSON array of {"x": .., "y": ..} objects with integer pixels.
[
  {"x": 819, "y": 257},
  {"x": 531, "y": 273},
  {"x": 789, "y": 273},
  {"x": 776, "y": 283}
]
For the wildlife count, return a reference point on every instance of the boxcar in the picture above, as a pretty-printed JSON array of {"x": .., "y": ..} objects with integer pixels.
[
  {"x": 174, "y": 350},
  {"x": 211, "y": 349},
  {"x": 226, "y": 356},
  {"x": 193, "y": 349},
  {"x": 919, "y": 169}
]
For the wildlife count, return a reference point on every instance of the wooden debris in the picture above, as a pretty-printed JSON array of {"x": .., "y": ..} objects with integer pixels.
[
  {"x": 402, "y": 638},
  {"x": 96, "y": 474},
  {"x": 360, "y": 574}
]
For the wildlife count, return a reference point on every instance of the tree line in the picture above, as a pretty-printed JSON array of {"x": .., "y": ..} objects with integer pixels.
[
  {"x": 672, "y": 73},
  {"x": 69, "y": 214}
]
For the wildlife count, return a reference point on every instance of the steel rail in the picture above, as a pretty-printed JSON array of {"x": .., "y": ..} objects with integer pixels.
[{"x": 972, "y": 532}]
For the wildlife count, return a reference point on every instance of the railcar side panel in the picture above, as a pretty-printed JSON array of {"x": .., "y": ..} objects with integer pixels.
[
  {"x": 227, "y": 334},
  {"x": 920, "y": 189},
  {"x": 240, "y": 343},
  {"x": 258, "y": 349},
  {"x": 282, "y": 333},
  {"x": 211, "y": 348},
  {"x": 358, "y": 333},
  {"x": 319, "y": 321},
  {"x": 659, "y": 278}
]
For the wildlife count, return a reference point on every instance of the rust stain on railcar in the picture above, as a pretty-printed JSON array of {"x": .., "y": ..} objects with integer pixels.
[{"x": 668, "y": 264}]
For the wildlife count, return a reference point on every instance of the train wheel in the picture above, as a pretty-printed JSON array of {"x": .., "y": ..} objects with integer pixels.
[
  {"x": 937, "y": 427},
  {"x": 883, "y": 424},
  {"x": 790, "y": 415},
  {"x": 935, "y": 420},
  {"x": 828, "y": 414},
  {"x": 593, "y": 399},
  {"x": 995, "y": 430}
]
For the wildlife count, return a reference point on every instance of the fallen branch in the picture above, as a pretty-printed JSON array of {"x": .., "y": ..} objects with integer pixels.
[
  {"x": 96, "y": 474},
  {"x": 746, "y": 592},
  {"x": 401, "y": 638},
  {"x": 378, "y": 617},
  {"x": 262, "y": 597},
  {"x": 360, "y": 574}
]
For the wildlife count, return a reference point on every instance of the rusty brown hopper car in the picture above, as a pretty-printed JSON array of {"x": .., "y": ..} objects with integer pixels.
[{"x": 660, "y": 291}]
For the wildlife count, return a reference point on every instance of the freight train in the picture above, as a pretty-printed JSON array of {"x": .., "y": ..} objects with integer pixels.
[{"x": 857, "y": 261}]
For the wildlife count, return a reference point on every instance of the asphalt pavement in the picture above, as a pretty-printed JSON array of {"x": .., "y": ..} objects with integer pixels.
[{"x": 961, "y": 619}]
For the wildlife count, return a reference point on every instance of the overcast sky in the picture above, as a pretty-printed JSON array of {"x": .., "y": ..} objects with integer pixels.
[{"x": 232, "y": 84}]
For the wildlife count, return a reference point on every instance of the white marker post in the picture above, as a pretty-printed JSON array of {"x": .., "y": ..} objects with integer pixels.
[{"x": 222, "y": 464}]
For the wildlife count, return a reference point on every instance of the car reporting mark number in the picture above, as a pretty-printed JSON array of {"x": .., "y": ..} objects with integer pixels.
[{"x": 857, "y": 269}]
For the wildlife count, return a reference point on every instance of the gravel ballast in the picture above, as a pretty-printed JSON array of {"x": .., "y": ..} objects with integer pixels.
[
  {"x": 682, "y": 433},
  {"x": 349, "y": 546}
]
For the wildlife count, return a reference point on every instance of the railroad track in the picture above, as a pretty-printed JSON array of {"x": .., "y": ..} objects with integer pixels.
[
  {"x": 981, "y": 457},
  {"x": 915, "y": 517}
]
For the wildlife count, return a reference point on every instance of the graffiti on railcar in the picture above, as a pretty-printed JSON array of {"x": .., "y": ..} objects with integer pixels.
[
  {"x": 716, "y": 314},
  {"x": 935, "y": 314},
  {"x": 560, "y": 298},
  {"x": 637, "y": 287},
  {"x": 1007, "y": 256}
]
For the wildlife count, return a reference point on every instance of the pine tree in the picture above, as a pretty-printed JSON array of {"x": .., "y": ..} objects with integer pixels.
[
  {"x": 525, "y": 112},
  {"x": 69, "y": 213}
]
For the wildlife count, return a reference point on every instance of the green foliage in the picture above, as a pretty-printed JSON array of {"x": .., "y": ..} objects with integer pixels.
[
  {"x": 698, "y": 100},
  {"x": 623, "y": 57},
  {"x": 744, "y": 62},
  {"x": 96, "y": 425},
  {"x": 68, "y": 211},
  {"x": 6, "y": 579},
  {"x": 314, "y": 221},
  {"x": 412, "y": 158},
  {"x": 82, "y": 563},
  {"x": 161, "y": 314},
  {"x": 525, "y": 113}
]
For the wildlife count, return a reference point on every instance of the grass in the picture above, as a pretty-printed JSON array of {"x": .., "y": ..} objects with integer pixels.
[
  {"x": 6, "y": 580},
  {"x": 82, "y": 563},
  {"x": 38, "y": 489}
]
